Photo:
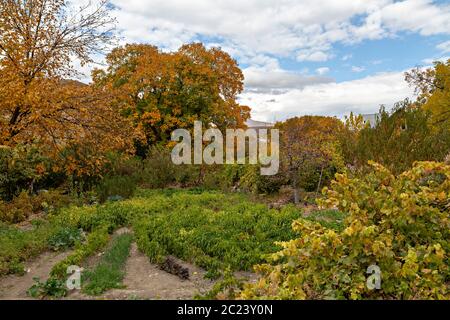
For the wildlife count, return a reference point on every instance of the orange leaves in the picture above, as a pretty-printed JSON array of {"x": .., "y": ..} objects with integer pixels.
[
  {"x": 36, "y": 104},
  {"x": 161, "y": 92}
]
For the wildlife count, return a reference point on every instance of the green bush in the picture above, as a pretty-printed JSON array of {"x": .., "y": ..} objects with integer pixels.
[
  {"x": 248, "y": 178},
  {"x": 116, "y": 187},
  {"x": 211, "y": 229},
  {"x": 17, "y": 245},
  {"x": 64, "y": 238},
  {"x": 21, "y": 168},
  {"x": 400, "y": 224},
  {"x": 160, "y": 172},
  {"x": 53, "y": 287},
  {"x": 24, "y": 205}
]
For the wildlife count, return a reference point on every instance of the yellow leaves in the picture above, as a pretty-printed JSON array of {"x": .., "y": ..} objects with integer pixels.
[
  {"x": 410, "y": 266},
  {"x": 401, "y": 228},
  {"x": 440, "y": 252}
]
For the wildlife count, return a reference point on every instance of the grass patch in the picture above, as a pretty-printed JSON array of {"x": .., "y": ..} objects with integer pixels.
[{"x": 110, "y": 271}]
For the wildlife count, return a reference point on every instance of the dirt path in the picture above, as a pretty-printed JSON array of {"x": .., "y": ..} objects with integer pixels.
[
  {"x": 15, "y": 287},
  {"x": 145, "y": 280}
]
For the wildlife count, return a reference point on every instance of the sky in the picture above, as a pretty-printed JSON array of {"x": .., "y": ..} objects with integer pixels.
[{"x": 302, "y": 57}]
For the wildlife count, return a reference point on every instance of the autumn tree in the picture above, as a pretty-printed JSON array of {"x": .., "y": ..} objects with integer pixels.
[
  {"x": 433, "y": 88},
  {"x": 308, "y": 148},
  {"x": 38, "y": 41},
  {"x": 161, "y": 91},
  {"x": 348, "y": 137}
]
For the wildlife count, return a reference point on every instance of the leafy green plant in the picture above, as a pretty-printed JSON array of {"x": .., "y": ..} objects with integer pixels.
[
  {"x": 94, "y": 242},
  {"x": 19, "y": 245},
  {"x": 401, "y": 224},
  {"x": 212, "y": 230},
  {"x": 109, "y": 272},
  {"x": 53, "y": 287},
  {"x": 331, "y": 219},
  {"x": 65, "y": 238}
]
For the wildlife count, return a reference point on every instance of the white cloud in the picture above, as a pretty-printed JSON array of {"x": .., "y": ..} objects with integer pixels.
[
  {"x": 347, "y": 57},
  {"x": 278, "y": 81},
  {"x": 430, "y": 61},
  {"x": 335, "y": 99},
  {"x": 304, "y": 29},
  {"x": 259, "y": 33},
  {"x": 444, "y": 47},
  {"x": 357, "y": 69},
  {"x": 322, "y": 71},
  {"x": 422, "y": 16},
  {"x": 316, "y": 56}
]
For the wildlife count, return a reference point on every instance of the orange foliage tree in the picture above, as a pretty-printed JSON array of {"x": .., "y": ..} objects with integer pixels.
[
  {"x": 308, "y": 146},
  {"x": 38, "y": 41},
  {"x": 161, "y": 92}
]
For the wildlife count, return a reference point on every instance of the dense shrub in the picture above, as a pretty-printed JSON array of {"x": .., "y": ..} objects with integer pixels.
[
  {"x": 19, "y": 245},
  {"x": 399, "y": 139},
  {"x": 253, "y": 181},
  {"x": 159, "y": 170},
  {"x": 248, "y": 178},
  {"x": 17, "y": 210},
  {"x": 401, "y": 224},
  {"x": 211, "y": 229},
  {"x": 24, "y": 205},
  {"x": 20, "y": 168},
  {"x": 64, "y": 238},
  {"x": 116, "y": 187}
]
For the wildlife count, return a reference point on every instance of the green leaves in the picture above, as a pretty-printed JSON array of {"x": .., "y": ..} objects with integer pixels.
[
  {"x": 397, "y": 223},
  {"x": 53, "y": 287},
  {"x": 110, "y": 271},
  {"x": 236, "y": 233}
]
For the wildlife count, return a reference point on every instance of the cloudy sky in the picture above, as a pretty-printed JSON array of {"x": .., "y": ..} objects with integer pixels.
[{"x": 301, "y": 57}]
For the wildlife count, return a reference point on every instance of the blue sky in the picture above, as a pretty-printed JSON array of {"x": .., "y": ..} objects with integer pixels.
[{"x": 302, "y": 57}]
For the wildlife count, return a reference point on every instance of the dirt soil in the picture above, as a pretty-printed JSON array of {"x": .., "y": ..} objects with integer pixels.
[
  {"x": 145, "y": 280},
  {"x": 14, "y": 287}
]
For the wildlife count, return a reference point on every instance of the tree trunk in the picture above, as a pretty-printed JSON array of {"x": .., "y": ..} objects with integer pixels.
[
  {"x": 320, "y": 182},
  {"x": 296, "y": 196},
  {"x": 296, "y": 193}
]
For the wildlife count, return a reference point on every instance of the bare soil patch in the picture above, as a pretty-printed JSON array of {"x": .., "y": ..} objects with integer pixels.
[
  {"x": 15, "y": 287},
  {"x": 145, "y": 280}
]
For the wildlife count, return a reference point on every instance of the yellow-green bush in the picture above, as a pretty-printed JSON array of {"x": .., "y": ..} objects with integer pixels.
[
  {"x": 17, "y": 210},
  {"x": 24, "y": 205},
  {"x": 400, "y": 224}
]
